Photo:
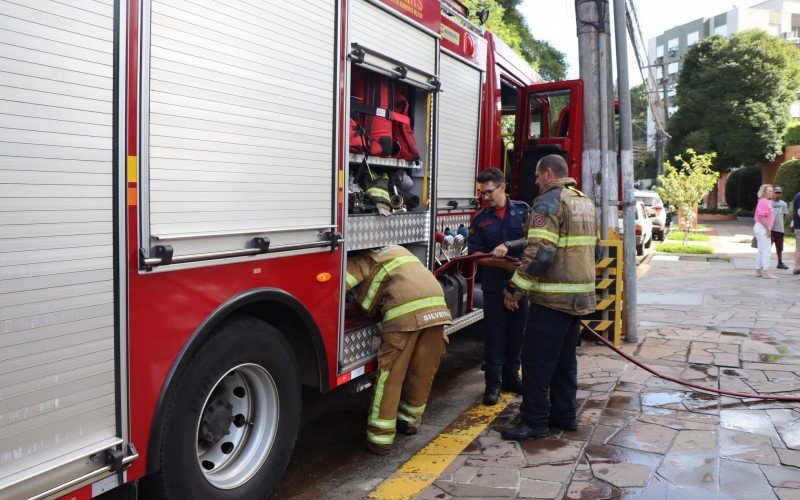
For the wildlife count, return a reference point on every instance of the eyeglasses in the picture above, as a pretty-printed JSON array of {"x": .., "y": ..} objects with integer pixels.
[{"x": 487, "y": 193}]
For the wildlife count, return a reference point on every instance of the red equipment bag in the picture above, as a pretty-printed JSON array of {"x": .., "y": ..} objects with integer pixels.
[
  {"x": 372, "y": 101},
  {"x": 403, "y": 133}
]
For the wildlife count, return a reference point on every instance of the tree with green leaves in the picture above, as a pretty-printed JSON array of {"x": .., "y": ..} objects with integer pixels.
[
  {"x": 641, "y": 159},
  {"x": 685, "y": 185},
  {"x": 507, "y": 22},
  {"x": 734, "y": 97}
]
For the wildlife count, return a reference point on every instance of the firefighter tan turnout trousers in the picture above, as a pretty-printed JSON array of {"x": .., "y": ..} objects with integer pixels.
[{"x": 407, "y": 363}]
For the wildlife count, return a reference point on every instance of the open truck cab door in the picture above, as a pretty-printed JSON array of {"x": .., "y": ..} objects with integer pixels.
[{"x": 549, "y": 120}]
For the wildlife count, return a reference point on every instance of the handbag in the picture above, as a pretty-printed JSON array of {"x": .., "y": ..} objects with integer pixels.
[{"x": 754, "y": 243}]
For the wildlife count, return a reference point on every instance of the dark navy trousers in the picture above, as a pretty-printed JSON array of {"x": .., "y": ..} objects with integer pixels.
[
  {"x": 504, "y": 330},
  {"x": 549, "y": 363}
]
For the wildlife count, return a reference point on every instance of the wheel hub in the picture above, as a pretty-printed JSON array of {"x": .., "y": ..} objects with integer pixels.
[{"x": 216, "y": 421}]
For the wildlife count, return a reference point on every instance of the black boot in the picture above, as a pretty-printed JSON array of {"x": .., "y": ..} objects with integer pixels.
[
  {"x": 513, "y": 385},
  {"x": 781, "y": 265},
  {"x": 523, "y": 431},
  {"x": 490, "y": 395}
]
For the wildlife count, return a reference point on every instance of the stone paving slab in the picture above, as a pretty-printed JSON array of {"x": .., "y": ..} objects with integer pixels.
[{"x": 708, "y": 321}]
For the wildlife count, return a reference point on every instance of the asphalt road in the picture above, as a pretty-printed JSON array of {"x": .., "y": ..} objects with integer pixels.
[{"x": 330, "y": 460}]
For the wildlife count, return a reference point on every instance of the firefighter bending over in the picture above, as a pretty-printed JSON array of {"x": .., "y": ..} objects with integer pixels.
[
  {"x": 393, "y": 282},
  {"x": 557, "y": 275}
]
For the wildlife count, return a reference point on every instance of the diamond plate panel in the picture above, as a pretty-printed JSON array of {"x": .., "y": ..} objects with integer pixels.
[
  {"x": 453, "y": 221},
  {"x": 464, "y": 321},
  {"x": 371, "y": 231},
  {"x": 359, "y": 344}
]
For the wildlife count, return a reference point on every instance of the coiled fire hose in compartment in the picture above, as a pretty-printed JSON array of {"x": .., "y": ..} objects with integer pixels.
[{"x": 789, "y": 399}]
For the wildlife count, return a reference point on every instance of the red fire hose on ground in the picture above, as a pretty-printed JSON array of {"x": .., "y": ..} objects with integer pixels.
[{"x": 789, "y": 399}]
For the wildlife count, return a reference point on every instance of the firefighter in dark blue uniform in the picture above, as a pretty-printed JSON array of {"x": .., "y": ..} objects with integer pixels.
[{"x": 498, "y": 228}]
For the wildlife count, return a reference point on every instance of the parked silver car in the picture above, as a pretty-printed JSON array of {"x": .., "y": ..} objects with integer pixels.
[
  {"x": 644, "y": 228},
  {"x": 655, "y": 211}
]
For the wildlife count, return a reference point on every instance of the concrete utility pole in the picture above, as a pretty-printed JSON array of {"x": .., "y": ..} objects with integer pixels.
[
  {"x": 599, "y": 158},
  {"x": 587, "y": 19},
  {"x": 626, "y": 171}
]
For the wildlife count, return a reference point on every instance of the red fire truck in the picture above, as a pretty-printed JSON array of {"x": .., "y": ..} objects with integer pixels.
[{"x": 185, "y": 180}]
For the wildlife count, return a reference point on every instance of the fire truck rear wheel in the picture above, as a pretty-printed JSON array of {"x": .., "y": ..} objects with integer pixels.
[{"x": 232, "y": 424}]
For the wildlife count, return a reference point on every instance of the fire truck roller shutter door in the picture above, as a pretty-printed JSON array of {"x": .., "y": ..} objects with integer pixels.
[
  {"x": 459, "y": 113},
  {"x": 391, "y": 41},
  {"x": 233, "y": 415},
  {"x": 58, "y": 364}
]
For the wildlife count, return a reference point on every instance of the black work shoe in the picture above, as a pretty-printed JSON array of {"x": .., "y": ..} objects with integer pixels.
[
  {"x": 378, "y": 449},
  {"x": 523, "y": 431},
  {"x": 564, "y": 425},
  {"x": 490, "y": 395},
  {"x": 404, "y": 427},
  {"x": 514, "y": 385},
  {"x": 781, "y": 265}
]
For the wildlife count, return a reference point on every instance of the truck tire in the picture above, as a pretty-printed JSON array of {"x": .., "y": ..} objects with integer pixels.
[{"x": 233, "y": 418}]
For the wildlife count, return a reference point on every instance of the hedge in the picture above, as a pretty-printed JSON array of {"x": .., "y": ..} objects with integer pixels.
[
  {"x": 681, "y": 248},
  {"x": 732, "y": 188},
  {"x": 788, "y": 177},
  {"x": 748, "y": 189}
]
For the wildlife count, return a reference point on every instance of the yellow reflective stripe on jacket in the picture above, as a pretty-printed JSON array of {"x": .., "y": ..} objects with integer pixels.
[
  {"x": 563, "y": 287},
  {"x": 543, "y": 234},
  {"x": 380, "y": 438},
  {"x": 412, "y": 410},
  {"x": 407, "y": 418},
  {"x": 376, "y": 399},
  {"x": 381, "y": 423},
  {"x": 521, "y": 283},
  {"x": 414, "y": 305},
  {"x": 378, "y": 279},
  {"x": 379, "y": 193},
  {"x": 351, "y": 280},
  {"x": 576, "y": 241}
]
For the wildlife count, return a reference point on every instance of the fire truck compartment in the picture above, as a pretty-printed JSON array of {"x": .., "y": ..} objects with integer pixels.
[{"x": 62, "y": 384}]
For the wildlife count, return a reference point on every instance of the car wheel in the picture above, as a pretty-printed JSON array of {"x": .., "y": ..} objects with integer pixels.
[{"x": 234, "y": 416}]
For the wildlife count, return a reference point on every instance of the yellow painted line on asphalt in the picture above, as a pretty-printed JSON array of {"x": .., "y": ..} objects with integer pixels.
[{"x": 421, "y": 470}]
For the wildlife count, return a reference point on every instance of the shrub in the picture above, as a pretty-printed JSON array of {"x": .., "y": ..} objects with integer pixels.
[
  {"x": 740, "y": 212},
  {"x": 679, "y": 235},
  {"x": 748, "y": 188},
  {"x": 732, "y": 188},
  {"x": 681, "y": 248},
  {"x": 788, "y": 177},
  {"x": 792, "y": 134}
]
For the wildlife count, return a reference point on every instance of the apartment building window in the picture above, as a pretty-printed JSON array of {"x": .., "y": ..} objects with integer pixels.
[
  {"x": 721, "y": 30},
  {"x": 672, "y": 45},
  {"x": 692, "y": 38},
  {"x": 672, "y": 68},
  {"x": 660, "y": 51},
  {"x": 659, "y": 72}
]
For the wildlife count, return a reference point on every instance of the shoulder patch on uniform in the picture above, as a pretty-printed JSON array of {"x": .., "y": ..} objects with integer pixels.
[
  {"x": 548, "y": 203},
  {"x": 539, "y": 220}
]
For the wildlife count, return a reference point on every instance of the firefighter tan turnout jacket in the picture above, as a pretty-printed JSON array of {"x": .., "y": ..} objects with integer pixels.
[
  {"x": 558, "y": 265},
  {"x": 395, "y": 283}
]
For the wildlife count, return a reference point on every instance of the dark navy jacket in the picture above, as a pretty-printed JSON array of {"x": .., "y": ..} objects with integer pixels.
[{"x": 487, "y": 231}]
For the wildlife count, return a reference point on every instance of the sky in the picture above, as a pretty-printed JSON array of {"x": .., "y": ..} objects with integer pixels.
[{"x": 554, "y": 21}]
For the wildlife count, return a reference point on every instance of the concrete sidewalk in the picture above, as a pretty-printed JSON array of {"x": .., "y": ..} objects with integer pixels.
[{"x": 706, "y": 320}]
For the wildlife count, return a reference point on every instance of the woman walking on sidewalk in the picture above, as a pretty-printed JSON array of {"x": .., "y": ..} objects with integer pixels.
[{"x": 764, "y": 218}]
